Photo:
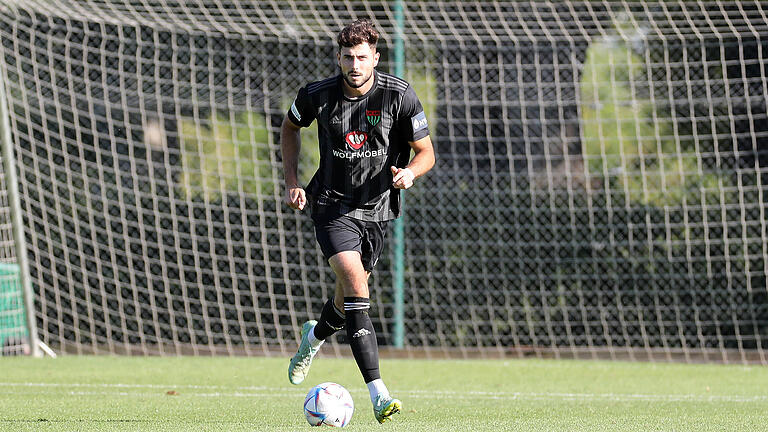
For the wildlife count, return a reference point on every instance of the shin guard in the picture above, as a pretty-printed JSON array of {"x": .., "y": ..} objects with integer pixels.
[{"x": 362, "y": 337}]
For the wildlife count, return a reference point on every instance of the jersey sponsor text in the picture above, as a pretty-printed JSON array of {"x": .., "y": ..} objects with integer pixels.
[{"x": 358, "y": 154}]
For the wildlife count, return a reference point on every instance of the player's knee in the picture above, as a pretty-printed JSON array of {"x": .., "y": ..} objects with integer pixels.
[
  {"x": 347, "y": 262},
  {"x": 356, "y": 289}
]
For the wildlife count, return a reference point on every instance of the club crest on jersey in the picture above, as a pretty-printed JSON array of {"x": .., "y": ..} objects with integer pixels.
[
  {"x": 373, "y": 116},
  {"x": 356, "y": 139}
]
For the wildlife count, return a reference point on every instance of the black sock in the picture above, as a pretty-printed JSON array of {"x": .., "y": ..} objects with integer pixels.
[
  {"x": 362, "y": 337},
  {"x": 331, "y": 320}
]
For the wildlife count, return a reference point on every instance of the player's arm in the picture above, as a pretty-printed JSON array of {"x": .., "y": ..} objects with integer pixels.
[
  {"x": 423, "y": 160},
  {"x": 290, "y": 145}
]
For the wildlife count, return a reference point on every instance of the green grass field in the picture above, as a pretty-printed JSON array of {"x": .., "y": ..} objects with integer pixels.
[{"x": 253, "y": 394}]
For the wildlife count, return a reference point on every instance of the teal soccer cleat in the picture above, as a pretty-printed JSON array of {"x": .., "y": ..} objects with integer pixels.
[
  {"x": 385, "y": 407},
  {"x": 299, "y": 367}
]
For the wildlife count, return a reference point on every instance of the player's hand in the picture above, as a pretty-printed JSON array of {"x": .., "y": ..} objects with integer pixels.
[
  {"x": 296, "y": 198},
  {"x": 402, "y": 178}
]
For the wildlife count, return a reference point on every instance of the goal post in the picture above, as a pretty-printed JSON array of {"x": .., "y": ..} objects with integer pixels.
[{"x": 599, "y": 188}]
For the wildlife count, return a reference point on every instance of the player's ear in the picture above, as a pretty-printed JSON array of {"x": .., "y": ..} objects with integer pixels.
[{"x": 376, "y": 59}]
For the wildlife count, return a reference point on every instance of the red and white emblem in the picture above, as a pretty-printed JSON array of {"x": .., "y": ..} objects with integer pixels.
[{"x": 356, "y": 139}]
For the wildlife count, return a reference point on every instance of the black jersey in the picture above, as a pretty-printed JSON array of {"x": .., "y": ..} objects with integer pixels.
[{"x": 359, "y": 140}]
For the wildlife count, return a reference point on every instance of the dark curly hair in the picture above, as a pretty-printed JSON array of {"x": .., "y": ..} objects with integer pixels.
[{"x": 358, "y": 32}]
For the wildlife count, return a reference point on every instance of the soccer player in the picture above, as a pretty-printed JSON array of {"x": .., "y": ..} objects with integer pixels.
[{"x": 368, "y": 123}]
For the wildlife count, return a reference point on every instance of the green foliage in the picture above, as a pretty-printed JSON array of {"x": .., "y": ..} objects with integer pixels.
[
  {"x": 629, "y": 141},
  {"x": 226, "y": 154}
]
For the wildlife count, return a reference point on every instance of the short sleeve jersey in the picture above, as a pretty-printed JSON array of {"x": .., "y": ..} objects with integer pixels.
[{"x": 359, "y": 140}]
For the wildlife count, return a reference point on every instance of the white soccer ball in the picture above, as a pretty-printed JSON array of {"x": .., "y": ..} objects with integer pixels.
[{"x": 328, "y": 404}]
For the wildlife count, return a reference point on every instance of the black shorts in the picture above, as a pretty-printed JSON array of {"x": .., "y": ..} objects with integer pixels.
[{"x": 339, "y": 233}]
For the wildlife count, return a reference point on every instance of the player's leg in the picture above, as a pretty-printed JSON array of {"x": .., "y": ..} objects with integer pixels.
[
  {"x": 349, "y": 268},
  {"x": 333, "y": 234},
  {"x": 384, "y": 405},
  {"x": 331, "y": 318}
]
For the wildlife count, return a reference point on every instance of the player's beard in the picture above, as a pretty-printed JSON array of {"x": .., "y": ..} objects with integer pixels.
[{"x": 351, "y": 84}]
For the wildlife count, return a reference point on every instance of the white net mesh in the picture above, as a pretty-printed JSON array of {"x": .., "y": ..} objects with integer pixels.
[
  {"x": 600, "y": 186},
  {"x": 13, "y": 331},
  {"x": 14, "y": 338}
]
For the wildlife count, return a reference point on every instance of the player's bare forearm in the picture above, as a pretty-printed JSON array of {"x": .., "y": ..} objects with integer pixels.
[
  {"x": 424, "y": 157},
  {"x": 290, "y": 145},
  {"x": 423, "y": 160}
]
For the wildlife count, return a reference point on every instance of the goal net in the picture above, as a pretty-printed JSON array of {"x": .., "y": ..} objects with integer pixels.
[{"x": 599, "y": 191}]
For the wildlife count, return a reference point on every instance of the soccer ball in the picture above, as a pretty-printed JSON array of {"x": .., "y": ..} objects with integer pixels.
[{"x": 328, "y": 404}]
